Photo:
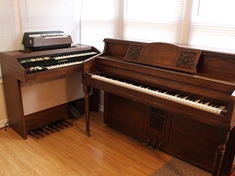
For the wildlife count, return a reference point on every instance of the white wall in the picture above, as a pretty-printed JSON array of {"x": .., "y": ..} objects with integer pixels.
[{"x": 3, "y": 113}]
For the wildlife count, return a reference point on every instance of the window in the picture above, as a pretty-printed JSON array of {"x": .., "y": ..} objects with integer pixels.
[
  {"x": 51, "y": 15},
  {"x": 153, "y": 20},
  {"x": 159, "y": 20},
  {"x": 213, "y": 24},
  {"x": 99, "y": 20},
  {"x": 9, "y": 29}
]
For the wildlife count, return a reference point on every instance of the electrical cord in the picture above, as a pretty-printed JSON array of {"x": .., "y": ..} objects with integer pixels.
[{"x": 5, "y": 127}]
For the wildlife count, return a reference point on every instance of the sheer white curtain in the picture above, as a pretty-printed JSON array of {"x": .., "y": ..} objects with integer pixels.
[
  {"x": 9, "y": 27},
  {"x": 213, "y": 24},
  {"x": 197, "y": 22},
  {"x": 155, "y": 20},
  {"x": 100, "y": 19},
  {"x": 159, "y": 20},
  {"x": 49, "y": 15}
]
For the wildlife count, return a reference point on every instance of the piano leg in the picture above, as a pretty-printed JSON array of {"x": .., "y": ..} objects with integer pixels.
[
  {"x": 223, "y": 137},
  {"x": 227, "y": 164},
  {"x": 87, "y": 90}
]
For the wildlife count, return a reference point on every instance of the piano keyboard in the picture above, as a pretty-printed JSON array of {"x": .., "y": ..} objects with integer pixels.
[
  {"x": 48, "y": 63},
  {"x": 188, "y": 100}
]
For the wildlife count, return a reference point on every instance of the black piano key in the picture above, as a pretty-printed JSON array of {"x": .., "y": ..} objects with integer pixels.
[
  {"x": 144, "y": 86},
  {"x": 182, "y": 95},
  {"x": 218, "y": 105}
]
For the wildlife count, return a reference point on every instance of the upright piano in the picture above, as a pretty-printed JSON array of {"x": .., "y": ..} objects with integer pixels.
[
  {"x": 177, "y": 98},
  {"x": 43, "y": 86}
]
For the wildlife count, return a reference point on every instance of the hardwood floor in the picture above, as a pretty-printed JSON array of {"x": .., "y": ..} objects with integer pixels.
[{"x": 70, "y": 152}]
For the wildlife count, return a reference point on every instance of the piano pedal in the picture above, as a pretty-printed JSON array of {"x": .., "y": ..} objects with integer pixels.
[
  {"x": 159, "y": 145},
  {"x": 73, "y": 110},
  {"x": 152, "y": 145},
  {"x": 146, "y": 143}
]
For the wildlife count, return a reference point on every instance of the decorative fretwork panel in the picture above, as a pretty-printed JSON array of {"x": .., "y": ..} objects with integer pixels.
[
  {"x": 158, "y": 111},
  {"x": 156, "y": 122},
  {"x": 157, "y": 119},
  {"x": 134, "y": 52},
  {"x": 186, "y": 60}
]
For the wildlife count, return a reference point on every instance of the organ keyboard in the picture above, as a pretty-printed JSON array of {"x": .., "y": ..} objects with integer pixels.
[
  {"x": 179, "y": 97},
  {"x": 44, "y": 63},
  {"x": 46, "y": 40}
]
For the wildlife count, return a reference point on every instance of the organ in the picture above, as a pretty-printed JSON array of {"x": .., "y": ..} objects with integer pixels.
[
  {"x": 174, "y": 97},
  {"x": 42, "y": 40},
  {"x": 43, "y": 86}
]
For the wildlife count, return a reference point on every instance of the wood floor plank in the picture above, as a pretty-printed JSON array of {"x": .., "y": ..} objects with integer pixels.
[{"x": 71, "y": 152}]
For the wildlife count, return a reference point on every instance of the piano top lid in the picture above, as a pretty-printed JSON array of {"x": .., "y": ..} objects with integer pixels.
[
  {"x": 164, "y": 55},
  {"x": 215, "y": 63}
]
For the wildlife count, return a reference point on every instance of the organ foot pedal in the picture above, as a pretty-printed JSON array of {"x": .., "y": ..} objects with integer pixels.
[
  {"x": 73, "y": 110},
  {"x": 47, "y": 129}
]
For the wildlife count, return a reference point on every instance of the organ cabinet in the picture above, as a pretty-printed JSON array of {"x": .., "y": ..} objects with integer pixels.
[{"x": 43, "y": 86}]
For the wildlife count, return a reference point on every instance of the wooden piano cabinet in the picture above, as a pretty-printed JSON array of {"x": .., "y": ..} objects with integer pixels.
[
  {"x": 125, "y": 115},
  {"x": 142, "y": 122},
  {"x": 229, "y": 155},
  {"x": 190, "y": 140}
]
